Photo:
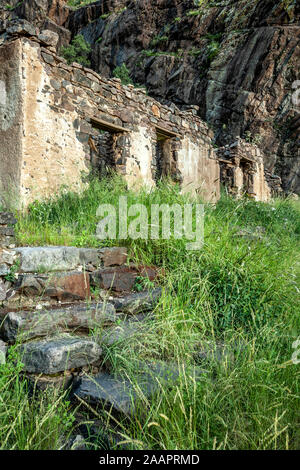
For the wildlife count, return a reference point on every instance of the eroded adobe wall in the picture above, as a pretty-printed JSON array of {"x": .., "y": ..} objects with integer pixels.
[
  {"x": 10, "y": 122},
  {"x": 60, "y": 103}
]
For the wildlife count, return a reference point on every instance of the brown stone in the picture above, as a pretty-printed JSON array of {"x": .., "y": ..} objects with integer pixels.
[
  {"x": 62, "y": 286},
  {"x": 114, "y": 256},
  {"x": 155, "y": 110},
  {"x": 121, "y": 278},
  {"x": 69, "y": 286}
]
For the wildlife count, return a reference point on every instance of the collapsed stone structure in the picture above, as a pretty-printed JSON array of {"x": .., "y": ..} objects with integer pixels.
[
  {"x": 57, "y": 122},
  {"x": 242, "y": 171}
]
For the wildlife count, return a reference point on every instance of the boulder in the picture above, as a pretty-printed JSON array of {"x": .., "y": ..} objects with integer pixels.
[
  {"x": 4, "y": 269},
  {"x": 59, "y": 354}
]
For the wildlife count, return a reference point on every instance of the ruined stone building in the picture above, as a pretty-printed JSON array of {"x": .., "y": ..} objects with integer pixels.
[{"x": 57, "y": 122}]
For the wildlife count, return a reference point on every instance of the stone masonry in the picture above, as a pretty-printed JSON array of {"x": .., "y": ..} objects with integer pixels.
[
  {"x": 242, "y": 170},
  {"x": 60, "y": 122},
  {"x": 51, "y": 114}
]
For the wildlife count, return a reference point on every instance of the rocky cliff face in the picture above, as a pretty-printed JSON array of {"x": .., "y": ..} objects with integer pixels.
[{"x": 237, "y": 61}]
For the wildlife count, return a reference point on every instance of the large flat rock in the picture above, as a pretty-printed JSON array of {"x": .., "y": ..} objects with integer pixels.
[
  {"x": 26, "y": 325},
  {"x": 122, "y": 394},
  {"x": 59, "y": 354},
  {"x": 65, "y": 258}
]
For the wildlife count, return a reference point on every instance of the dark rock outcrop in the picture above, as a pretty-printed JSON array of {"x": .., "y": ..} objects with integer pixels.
[{"x": 238, "y": 61}]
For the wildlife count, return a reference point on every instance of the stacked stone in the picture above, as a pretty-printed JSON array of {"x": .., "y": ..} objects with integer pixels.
[
  {"x": 53, "y": 353},
  {"x": 7, "y": 252},
  {"x": 7, "y": 231},
  {"x": 274, "y": 183}
]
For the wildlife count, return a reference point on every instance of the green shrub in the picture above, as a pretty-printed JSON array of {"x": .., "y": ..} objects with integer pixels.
[
  {"x": 122, "y": 73},
  {"x": 78, "y": 51}
]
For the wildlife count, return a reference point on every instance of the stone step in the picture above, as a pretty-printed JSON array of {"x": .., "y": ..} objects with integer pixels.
[
  {"x": 121, "y": 278},
  {"x": 27, "y": 325},
  {"x": 62, "y": 286},
  {"x": 122, "y": 332},
  {"x": 137, "y": 302},
  {"x": 64, "y": 258},
  {"x": 59, "y": 354},
  {"x": 123, "y": 395}
]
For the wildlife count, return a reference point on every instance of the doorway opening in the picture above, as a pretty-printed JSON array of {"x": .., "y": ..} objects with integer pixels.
[
  {"x": 103, "y": 145},
  {"x": 165, "y": 154}
]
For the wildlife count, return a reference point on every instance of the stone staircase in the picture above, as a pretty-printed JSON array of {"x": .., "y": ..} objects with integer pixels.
[
  {"x": 65, "y": 307},
  {"x": 49, "y": 310}
]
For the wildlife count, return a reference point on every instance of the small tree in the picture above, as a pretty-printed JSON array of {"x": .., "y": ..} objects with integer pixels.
[
  {"x": 78, "y": 51},
  {"x": 122, "y": 73}
]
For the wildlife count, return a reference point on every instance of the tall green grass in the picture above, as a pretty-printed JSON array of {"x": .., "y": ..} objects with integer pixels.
[
  {"x": 241, "y": 289},
  {"x": 30, "y": 420}
]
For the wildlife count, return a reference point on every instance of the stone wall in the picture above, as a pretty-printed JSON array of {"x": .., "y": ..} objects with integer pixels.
[
  {"x": 7, "y": 253},
  {"x": 62, "y": 108},
  {"x": 242, "y": 170}
]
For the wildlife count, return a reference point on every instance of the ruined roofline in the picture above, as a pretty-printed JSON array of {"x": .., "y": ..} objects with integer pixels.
[
  {"x": 56, "y": 118},
  {"x": 23, "y": 30}
]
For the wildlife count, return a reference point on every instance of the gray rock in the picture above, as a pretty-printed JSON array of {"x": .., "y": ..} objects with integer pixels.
[
  {"x": 62, "y": 258},
  {"x": 22, "y": 27},
  {"x": 7, "y": 218},
  {"x": 4, "y": 269},
  {"x": 78, "y": 443},
  {"x": 49, "y": 37},
  {"x": 48, "y": 259},
  {"x": 120, "y": 333},
  {"x": 3, "y": 290},
  {"x": 44, "y": 382},
  {"x": 123, "y": 395},
  {"x": 114, "y": 256},
  {"x": 59, "y": 354},
  {"x": 3, "y": 351},
  {"x": 7, "y": 257},
  {"x": 24, "y": 325},
  {"x": 139, "y": 302}
]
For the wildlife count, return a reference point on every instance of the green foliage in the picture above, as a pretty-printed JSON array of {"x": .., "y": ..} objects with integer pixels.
[
  {"x": 158, "y": 39},
  {"x": 11, "y": 276},
  {"x": 30, "y": 422},
  {"x": 238, "y": 290},
  {"x": 122, "y": 73},
  {"x": 214, "y": 45},
  {"x": 79, "y": 3},
  {"x": 252, "y": 139},
  {"x": 104, "y": 16},
  {"x": 195, "y": 52},
  {"x": 78, "y": 51}
]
